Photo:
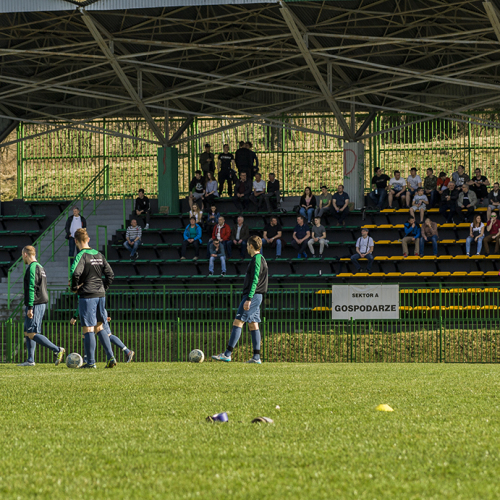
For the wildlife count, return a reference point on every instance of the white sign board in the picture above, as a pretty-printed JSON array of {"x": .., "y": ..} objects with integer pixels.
[{"x": 365, "y": 302}]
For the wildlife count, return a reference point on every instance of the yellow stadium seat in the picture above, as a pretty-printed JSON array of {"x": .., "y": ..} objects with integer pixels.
[
  {"x": 447, "y": 241},
  {"x": 457, "y": 290},
  {"x": 445, "y": 257},
  {"x": 410, "y": 274},
  {"x": 382, "y": 257},
  {"x": 406, "y": 290},
  {"x": 476, "y": 273},
  {"x": 443, "y": 273},
  {"x": 426, "y": 274},
  {"x": 455, "y": 308},
  {"x": 321, "y": 309},
  {"x": 361, "y": 275},
  {"x": 422, "y": 308},
  {"x": 492, "y": 257},
  {"x": 460, "y": 241},
  {"x": 462, "y": 257},
  {"x": 473, "y": 290},
  {"x": 394, "y": 275},
  {"x": 383, "y": 242},
  {"x": 459, "y": 273},
  {"x": 398, "y": 226},
  {"x": 428, "y": 257},
  {"x": 434, "y": 210},
  {"x": 491, "y": 273},
  {"x": 491, "y": 290},
  {"x": 395, "y": 257},
  {"x": 388, "y": 211},
  {"x": 406, "y": 308},
  {"x": 447, "y": 225},
  {"x": 386, "y": 226},
  {"x": 438, "y": 308},
  {"x": 324, "y": 292},
  {"x": 377, "y": 275},
  {"x": 489, "y": 308},
  {"x": 369, "y": 226},
  {"x": 345, "y": 275},
  {"x": 472, "y": 308},
  {"x": 478, "y": 257}
]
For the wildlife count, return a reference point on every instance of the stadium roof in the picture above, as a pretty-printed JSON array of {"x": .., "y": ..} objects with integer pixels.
[{"x": 80, "y": 60}]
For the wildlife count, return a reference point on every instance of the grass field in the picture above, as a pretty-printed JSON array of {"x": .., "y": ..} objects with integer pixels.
[{"x": 139, "y": 431}]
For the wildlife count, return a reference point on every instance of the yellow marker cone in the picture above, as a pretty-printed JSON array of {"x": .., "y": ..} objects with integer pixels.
[{"x": 383, "y": 408}]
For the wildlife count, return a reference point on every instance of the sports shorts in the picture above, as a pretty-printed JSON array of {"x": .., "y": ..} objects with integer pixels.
[
  {"x": 34, "y": 325},
  {"x": 252, "y": 315},
  {"x": 93, "y": 311}
]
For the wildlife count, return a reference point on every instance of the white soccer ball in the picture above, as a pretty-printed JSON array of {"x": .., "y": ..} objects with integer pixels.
[
  {"x": 74, "y": 360},
  {"x": 196, "y": 356}
]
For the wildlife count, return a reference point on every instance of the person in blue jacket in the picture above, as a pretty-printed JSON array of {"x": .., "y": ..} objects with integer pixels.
[
  {"x": 412, "y": 235},
  {"x": 192, "y": 236}
]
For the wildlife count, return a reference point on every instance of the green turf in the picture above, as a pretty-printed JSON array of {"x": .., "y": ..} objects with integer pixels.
[{"x": 139, "y": 431}]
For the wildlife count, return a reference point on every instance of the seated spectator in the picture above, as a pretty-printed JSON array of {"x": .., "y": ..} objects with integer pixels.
[
  {"x": 242, "y": 191},
  {"x": 272, "y": 235},
  {"x": 460, "y": 177},
  {"x": 133, "y": 239},
  {"x": 493, "y": 228},
  {"x": 480, "y": 185},
  {"x": 273, "y": 193},
  {"x": 325, "y": 203},
  {"x": 493, "y": 200},
  {"x": 449, "y": 199},
  {"x": 397, "y": 190},
  {"x": 430, "y": 185},
  {"x": 442, "y": 184},
  {"x": 212, "y": 219},
  {"x": 239, "y": 237},
  {"x": 340, "y": 205},
  {"x": 196, "y": 213},
  {"x": 412, "y": 235},
  {"x": 142, "y": 207},
  {"x": 211, "y": 190},
  {"x": 216, "y": 251},
  {"x": 318, "y": 235},
  {"x": 222, "y": 233},
  {"x": 192, "y": 236},
  {"x": 476, "y": 235},
  {"x": 364, "y": 250},
  {"x": 412, "y": 184},
  {"x": 196, "y": 189},
  {"x": 307, "y": 204},
  {"x": 466, "y": 201},
  {"x": 379, "y": 188},
  {"x": 258, "y": 196},
  {"x": 429, "y": 232},
  {"x": 301, "y": 235},
  {"x": 420, "y": 202}
]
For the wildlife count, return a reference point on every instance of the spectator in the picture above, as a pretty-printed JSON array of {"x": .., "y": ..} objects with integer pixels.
[
  {"x": 325, "y": 202},
  {"x": 476, "y": 235},
  {"x": 430, "y": 185},
  {"x": 244, "y": 160},
  {"x": 449, "y": 199},
  {"x": 493, "y": 227},
  {"x": 142, "y": 207},
  {"x": 272, "y": 235},
  {"x": 412, "y": 234},
  {"x": 379, "y": 188},
  {"x": 216, "y": 251},
  {"x": 273, "y": 192},
  {"x": 460, "y": 177},
  {"x": 196, "y": 213},
  {"x": 259, "y": 192},
  {"x": 493, "y": 200},
  {"x": 442, "y": 183},
  {"x": 196, "y": 189},
  {"x": 255, "y": 160},
  {"x": 221, "y": 232},
  {"x": 207, "y": 161},
  {"x": 73, "y": 223},
  {"x": 226, "y": 165},
  {"x": 340, "y": 205},
  {"x": 307, "y": 204},
  {"x": 467, "y": 200},
  {"x": 413, "y": 183},
  {"x": 429, "y": 232},
  {"x": 397, "y": 187},
  {"x": 480, "y": 185},
  {"x": 192, "y": 236},
  {"x": 212, "y": 219},
  {"x": 301, "y": 235},
  {"x": 239, "y": 237},
  {"x": 364, "y": 249},
  {"x": 133, "y": 239},
  {"x": 420, "y": 202},
  {"x": 211, "y": 190},
  {"x": 318, "y": 235},
  {"x": 242, "y": 191}
]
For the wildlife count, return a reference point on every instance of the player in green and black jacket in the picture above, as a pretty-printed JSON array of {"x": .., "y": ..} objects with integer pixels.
[
  {"x": 254, "y": 286},
  {"x": 35, "y": 301}
]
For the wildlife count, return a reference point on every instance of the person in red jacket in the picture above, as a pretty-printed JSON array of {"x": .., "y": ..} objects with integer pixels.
[{"x": 221, "y": 232}]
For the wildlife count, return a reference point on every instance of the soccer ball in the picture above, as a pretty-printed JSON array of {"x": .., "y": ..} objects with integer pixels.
[
  {"x": 74, "y": 360},
  {"x": 196, "y": 356}
]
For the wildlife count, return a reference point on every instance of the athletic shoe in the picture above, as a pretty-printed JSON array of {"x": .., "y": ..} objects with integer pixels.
[
  {"x": 136, "y": 256},
  {"x": 255, "y": 361},
  {"x": 147, "y": 226},
  {"x": 299, "y": 256},
  {"x": 86, "y": 365},
  {"x": 60, "y": 355},
  {"x": 223, "y": 274},
  {"x": 130, "y": 356},
  {"x": 183, "y": 258},
  {"x": 320, "y": 255},
  {"x": 221, "y": 357},
  {"x": 195, "y": 258},
  {"x": 210, "y": 274},
  {"x": 27, "y": 363},
  {"x": 111, "y": 363}
]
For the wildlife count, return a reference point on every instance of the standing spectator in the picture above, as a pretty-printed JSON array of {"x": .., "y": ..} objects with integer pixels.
[
  {"x": 192, "y": 236},
  {"x": 307, "y": 204},
  {"x": 493, "y": 228},
  {"x": 340, "y": 205},
  {"x": 216, "y": 251},
  {"x": 420, "y": 202},
  {"x": 211, "y": 190},
  {"x": 476, "y": 235},
  {"x": 73, "y": 223},
  {"x": 226, "y": 165},
  {"x": 397, "y": 190},
  {"x": 412, "y": 234},
  {"x": 255, "y": 160},
  {"x": 207, "y": 161},
  {"x": 318, "y": 235},
  {"x": 429, "y": 232},
  {"x": 493, "y": 200},
  {"x": 142, "y": 207},
  {"x": 364, "y": 249},
  {"x": 239, "y": 237},
  {"x": 196, "y": 189},
  {"x": 273, "y": 192},
  {"x": 196, "y": 213},
  {"x": 413, "y": 183},
  {"x": 212, "y": 219},
  {"x": 272, "y": 235},
  {"x": 442, "y": 183},
  {"x": 480, "y": 185},
  {"x": 379, "y": 188},
  {"x": 133, "y": 237},
  {"x": 325, "y": 203},
  {"x": 430, "y": 185},
  {"x": 301, "y": 235},
  {"x": 244, "y": 160},
  {"x": 467, "y": 200},
  {"x": 242, "y": 191},
  {"x": 221, "y": 232},
  {"x": 449, "y": 199},
  {"x": 460, "y": 177},
  {"x": 259, "y": 192}
]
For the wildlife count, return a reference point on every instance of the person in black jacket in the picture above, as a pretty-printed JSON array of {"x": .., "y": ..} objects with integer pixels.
[
  {"x": 142, "y": 207},
  {"x": 74, "y": 222},
  {"x": 449, "y": 202},
  {"x": 307, "y": 204},
  {"x": 36, "y": 298},
  {"x": 242, "y": 192},
  {"x": 244, "y": 160},
  {"x": 255, "y": 160}
]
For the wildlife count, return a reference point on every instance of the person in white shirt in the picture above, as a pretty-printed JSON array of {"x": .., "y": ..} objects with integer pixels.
[
  {"x": 259, "y": 190},
  {"x": 413, "y": 183},
  {"x": 364, "y": 250},
  {"x": 420, "y": 202},
  {"x": 397, "y": 187},
  {"x": 74, "y": 222}
]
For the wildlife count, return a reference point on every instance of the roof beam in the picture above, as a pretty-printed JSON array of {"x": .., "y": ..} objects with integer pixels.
[{"x": 493, "y": 16}]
